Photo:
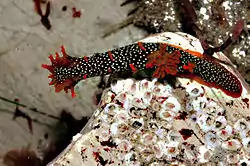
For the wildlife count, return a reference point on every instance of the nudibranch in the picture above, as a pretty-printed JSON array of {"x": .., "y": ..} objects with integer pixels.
[{"x": 159, "y": 53}]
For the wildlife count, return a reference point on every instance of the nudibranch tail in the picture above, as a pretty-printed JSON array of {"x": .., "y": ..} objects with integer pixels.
[{"x": 189, "y": 64}]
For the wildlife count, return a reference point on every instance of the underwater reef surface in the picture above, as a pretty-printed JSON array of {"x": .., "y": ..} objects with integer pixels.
[
  {"x": 145, "y": 122},
  {"x": 213, "y": 20}
]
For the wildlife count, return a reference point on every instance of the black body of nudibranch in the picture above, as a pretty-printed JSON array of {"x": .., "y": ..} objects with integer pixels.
[
  {"x": 67, "y": 71},
  {"x": 163, "y": 58}
]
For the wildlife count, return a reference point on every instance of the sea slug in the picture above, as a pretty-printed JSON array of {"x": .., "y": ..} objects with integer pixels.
[{"x": 162, "y": 57}]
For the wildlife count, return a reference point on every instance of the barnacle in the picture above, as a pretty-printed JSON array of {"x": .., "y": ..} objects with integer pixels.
[
  {"x": 205, "y": 154},
  {"x": 148, "y": 139},
  {"x": 121, "y": 116},
  {"x": 225, "y": 133},
  {"x": 104, "y": 136},
  {"x": 172, "y": 149},
  {"x": 194, "y": 91},
  {"x": 171, "y": 103},
  {"x": 231, "y": 144},
  {"x": 212, "y": 140},
  {"x": 233, "y": 158},
  {"x": 124, "y": 145},
  {"x": 167, "y": 115},
  {"x": 111, "y": 109}
]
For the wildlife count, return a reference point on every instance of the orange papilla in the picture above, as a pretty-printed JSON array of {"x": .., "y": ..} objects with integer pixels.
[
  {"x": 73, "y": 94},
  {"x": 67, "y": 84},
  {"x": 165, "y": 62},
  {"x": 52, "y": 82},
  {"x": 51, "y": 76},
  {"x": 189, "y": 67},
  {"x": 159, "y": 72},
  {"x": 60, "y": 87},
  {"x": 48, "y": 67},
  {"x": 149, "y": 65},
  {"x": 63, "y": 51},
  {"x": 140, "y": 44},
  {"x": 171, "y": 70},
  {"x": 57, "y": 57},
  {"x": 111, "y": 56},
  {"x": 86, "y": 58},
  {"x": 163, "y": 47},
  {"x": 51, "y": 58},
  {"x": 85, "y": 76},
  {"x": 133, "y": 68}
]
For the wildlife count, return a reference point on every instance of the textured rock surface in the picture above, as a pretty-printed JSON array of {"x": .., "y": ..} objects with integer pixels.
[
  {"x": 146, "y": 122},
  {"x": 25, "y": 44},
  {"x": 156, "y": 124},
  {"x": 213, "y": 18}
]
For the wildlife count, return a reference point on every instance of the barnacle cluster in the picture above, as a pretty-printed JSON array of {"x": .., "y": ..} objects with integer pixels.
[{"x": 150, "y": 123}]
